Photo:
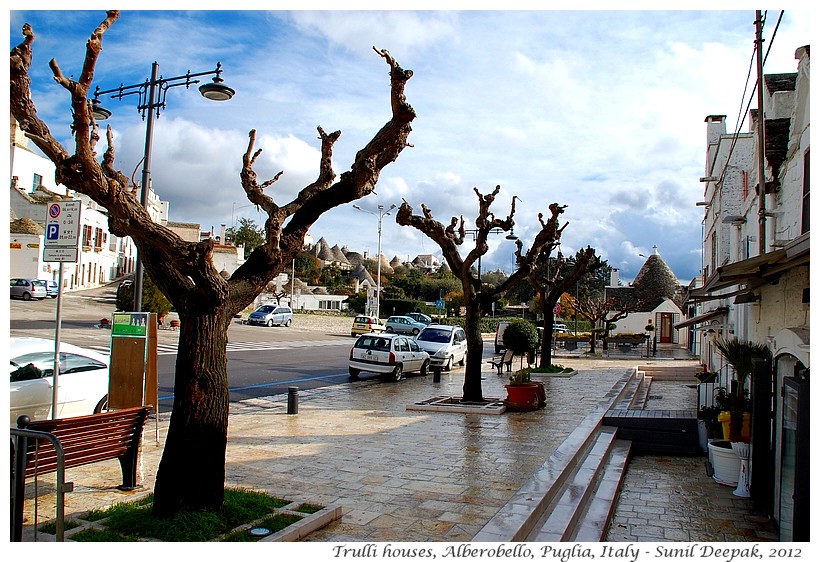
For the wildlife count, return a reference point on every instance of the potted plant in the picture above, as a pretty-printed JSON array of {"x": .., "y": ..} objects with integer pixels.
[
  {"x": 521, "y": 336},
  {"x": 741, "y": 356}
]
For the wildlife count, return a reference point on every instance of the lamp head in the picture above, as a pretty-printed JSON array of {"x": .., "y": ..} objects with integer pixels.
[{"x": 217, "y": 90}]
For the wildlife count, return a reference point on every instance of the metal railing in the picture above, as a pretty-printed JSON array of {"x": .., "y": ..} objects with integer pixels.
[{"x": 19, "y": 482}]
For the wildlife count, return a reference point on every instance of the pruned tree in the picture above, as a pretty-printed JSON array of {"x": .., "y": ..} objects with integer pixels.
[
  {"x": 597, "y": 308},
  {"x": 477, "y": 297},
  {"x": 553, "y": 278},
  {"x": 192, "y": 470}
]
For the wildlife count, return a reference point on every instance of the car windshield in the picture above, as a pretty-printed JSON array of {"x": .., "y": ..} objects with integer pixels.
[
  {"x": 373, "y": 342},
  {"x": 434, "y": 336},
  {"x": 264, "y": 308},
  {"x": 38, "y": 283}
]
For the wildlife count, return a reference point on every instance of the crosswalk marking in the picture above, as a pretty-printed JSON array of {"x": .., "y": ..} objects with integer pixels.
[{"x": 233, "y": 347}]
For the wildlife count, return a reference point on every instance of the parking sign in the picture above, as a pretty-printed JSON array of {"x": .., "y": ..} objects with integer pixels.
[{"x": 62, "y": 231}]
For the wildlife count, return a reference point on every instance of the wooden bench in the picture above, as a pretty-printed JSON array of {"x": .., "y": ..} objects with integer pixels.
[
  {"x": 500, "y": 360},
  {"x": 89, "y": 439}
]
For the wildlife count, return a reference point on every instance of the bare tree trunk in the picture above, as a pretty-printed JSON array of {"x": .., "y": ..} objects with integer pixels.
[
  {"x": 192, "y": 470},
  {"x": 475, "y": 354}
]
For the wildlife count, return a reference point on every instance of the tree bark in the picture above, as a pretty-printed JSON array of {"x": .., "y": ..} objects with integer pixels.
[{"x": 192, "y": 470}]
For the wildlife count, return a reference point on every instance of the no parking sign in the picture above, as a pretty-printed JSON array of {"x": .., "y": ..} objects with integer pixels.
[{"x": 62, "y": 231}]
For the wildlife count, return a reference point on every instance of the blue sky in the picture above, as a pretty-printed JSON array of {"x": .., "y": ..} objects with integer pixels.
[{"x": 602, "y": 111}]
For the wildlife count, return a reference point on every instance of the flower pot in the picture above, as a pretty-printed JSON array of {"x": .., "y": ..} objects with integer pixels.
[
  {"x": 725, "y": 463},
  {"x": 525, "y": 397},
  {"x": 745, "y": 433}
]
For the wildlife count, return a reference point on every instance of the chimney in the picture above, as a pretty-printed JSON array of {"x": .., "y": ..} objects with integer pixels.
[
  {"x": 222, "y": 235},
  {"x": 613, "y": 278}
]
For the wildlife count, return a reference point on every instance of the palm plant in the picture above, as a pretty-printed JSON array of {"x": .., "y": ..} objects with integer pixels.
[{"x": 741, "y": 355}]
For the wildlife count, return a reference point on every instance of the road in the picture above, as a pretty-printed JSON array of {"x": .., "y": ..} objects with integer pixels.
[{"x": 262, "y": 361}]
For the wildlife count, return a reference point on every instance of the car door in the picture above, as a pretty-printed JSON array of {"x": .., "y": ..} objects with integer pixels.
[
  {"x": 28, "y": 394},
  {"x": 405, "y": 356},
  {"x": 419, "y": 355},
  {"x": 460, "y": 343},
  {"x": 78, "y": 375}
]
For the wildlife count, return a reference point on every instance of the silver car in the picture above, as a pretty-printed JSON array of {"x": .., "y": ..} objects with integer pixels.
[
  {"x": 390, "y": 355},
  {"x": 28, "y": 289},
  {"x": 446, "y": 345},
  {"x": 270, "y": 315}
]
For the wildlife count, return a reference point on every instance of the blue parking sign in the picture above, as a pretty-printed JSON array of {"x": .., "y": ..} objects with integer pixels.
[{"x": 53, "y": 231}]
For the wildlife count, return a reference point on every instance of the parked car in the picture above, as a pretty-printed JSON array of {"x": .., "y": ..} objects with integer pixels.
[
  {"x": 83, "y": 380},
  {"x": 389, "y": 355},
  {"x": 559, "y": 328},
  {"x": 52, "y": 289},
  {"x": 365, "y": 325},
  {"x": 271, "y": 315},
  {"x": 420, "y": 317},
  {"x": 403, "y": 325},
  {"x": 446, "y": 345},
  {"x": 28, "y": 289},
  {"x": 499, "y": 336}
]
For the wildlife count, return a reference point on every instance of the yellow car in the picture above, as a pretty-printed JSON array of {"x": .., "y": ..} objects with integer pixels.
[{"x": 365, "y": 325}]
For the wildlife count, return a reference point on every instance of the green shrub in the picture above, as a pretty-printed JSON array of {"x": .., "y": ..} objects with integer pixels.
[{"x": 520, "y": 336}]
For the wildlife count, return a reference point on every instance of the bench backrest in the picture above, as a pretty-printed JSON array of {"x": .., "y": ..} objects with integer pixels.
[
  {"x": 508, "y": 356},
  {"x": 85, "y": 439}
]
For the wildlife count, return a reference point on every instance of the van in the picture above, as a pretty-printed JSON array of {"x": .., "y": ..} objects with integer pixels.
[{"x": 270, "y": 315}]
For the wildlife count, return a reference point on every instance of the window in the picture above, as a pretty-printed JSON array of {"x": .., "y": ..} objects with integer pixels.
[
  {"x": 745, "y": 176},
  {"x": 87, "y": 234},
  {"x": 38, "y": 181}
]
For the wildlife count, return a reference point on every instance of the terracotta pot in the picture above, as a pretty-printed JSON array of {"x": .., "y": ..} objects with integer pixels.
[{"x": 525, "y": 397}]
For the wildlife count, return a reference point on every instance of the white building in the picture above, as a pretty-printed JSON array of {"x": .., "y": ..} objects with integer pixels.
[
  {"x": 755, "y": 283},
  {"x": 102, "y": 256}
]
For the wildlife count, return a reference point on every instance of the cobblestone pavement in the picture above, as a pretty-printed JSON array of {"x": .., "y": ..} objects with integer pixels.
[{"x": 405, "y": 475}]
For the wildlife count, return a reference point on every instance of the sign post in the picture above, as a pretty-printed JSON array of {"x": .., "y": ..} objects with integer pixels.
[{"x": 61, "y": 245}]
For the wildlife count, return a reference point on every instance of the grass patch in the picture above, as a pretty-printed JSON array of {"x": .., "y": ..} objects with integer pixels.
[
  {"x": 552, "y": 369},
  {"x": 308, "y": 508},
  {"x": 133, "y": 520},
  {"x": 50, "y": 527}
]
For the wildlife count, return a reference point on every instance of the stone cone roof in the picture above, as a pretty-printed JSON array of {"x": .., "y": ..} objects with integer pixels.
[{"x": 25, "y": 226}]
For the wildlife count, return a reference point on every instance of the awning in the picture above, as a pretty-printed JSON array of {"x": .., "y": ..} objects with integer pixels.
[
  {"x": 758, "y": 269},
  {"x": 703, "y": 317}
]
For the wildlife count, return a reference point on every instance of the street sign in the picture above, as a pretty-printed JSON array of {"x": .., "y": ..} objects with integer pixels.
[
  {"x": 440, "y": 303},
  {"x": 62, "y": 231},
  {"x": 60, "y": 254}
]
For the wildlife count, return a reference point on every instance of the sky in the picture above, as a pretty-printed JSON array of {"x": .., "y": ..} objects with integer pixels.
[{"x": 601, "y": 111}]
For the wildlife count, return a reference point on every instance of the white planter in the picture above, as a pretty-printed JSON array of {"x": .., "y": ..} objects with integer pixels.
[{"x": 725, "y": 463}]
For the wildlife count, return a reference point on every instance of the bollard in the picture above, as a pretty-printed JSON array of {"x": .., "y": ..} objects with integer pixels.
[
  {"x": 293, "y": 399},
  {"x": 436, "y": 374}
]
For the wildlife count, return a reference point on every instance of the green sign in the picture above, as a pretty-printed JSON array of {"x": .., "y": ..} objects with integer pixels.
[{"x": 130, "y": 324}]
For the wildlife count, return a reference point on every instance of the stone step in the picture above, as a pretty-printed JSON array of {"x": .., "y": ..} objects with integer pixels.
[
  {"x": 594, "y": 524},
  {"x": 575, "y": 506}
]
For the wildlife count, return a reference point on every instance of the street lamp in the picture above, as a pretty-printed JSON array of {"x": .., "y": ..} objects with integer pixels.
[
  {"x": 151, "y": 100},
  {"x": 474, "y": 233},
  {"x": 381, "y": 214}
]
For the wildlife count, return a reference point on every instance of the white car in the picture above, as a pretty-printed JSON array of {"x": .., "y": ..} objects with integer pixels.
[
  {"x": 83, "y": 380},
  {"x": 390, "y": 355},
  {"x": 446, "y": 345}
]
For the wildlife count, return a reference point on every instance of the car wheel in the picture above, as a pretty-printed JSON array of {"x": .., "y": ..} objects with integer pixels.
[
  {"x": 449, "y": 364},
  {"x": 26, "y": 296},
  {"x": 463, "y": 360},
  {"x": 397, "y": 374},
  {"x": 425, "y": 368},
  {"x": 287, "y": 322},
  {"x": 415, "y": 331},
  {"x": 390, "y": 329},
  {"x": 102, "y": 405},
  {"x": 354, "y": 373},
  {"x": 270, "y": 323}
]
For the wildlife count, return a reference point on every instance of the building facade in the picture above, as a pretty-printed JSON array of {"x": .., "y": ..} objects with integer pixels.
[{"x": 755, "y": 282}]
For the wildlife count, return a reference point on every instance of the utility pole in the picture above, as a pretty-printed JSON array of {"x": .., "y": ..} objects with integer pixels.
[{"x": 761, "y": 136}]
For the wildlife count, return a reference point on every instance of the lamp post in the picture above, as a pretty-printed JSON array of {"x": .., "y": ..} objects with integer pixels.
[
  {"x": 150, "y": 101},
  {"x": 381, "y": 214},
  {"x": 474, "y": 233}
]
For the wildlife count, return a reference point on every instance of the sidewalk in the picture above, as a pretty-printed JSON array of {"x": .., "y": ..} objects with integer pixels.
[{"x": 427, "y": 476}]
